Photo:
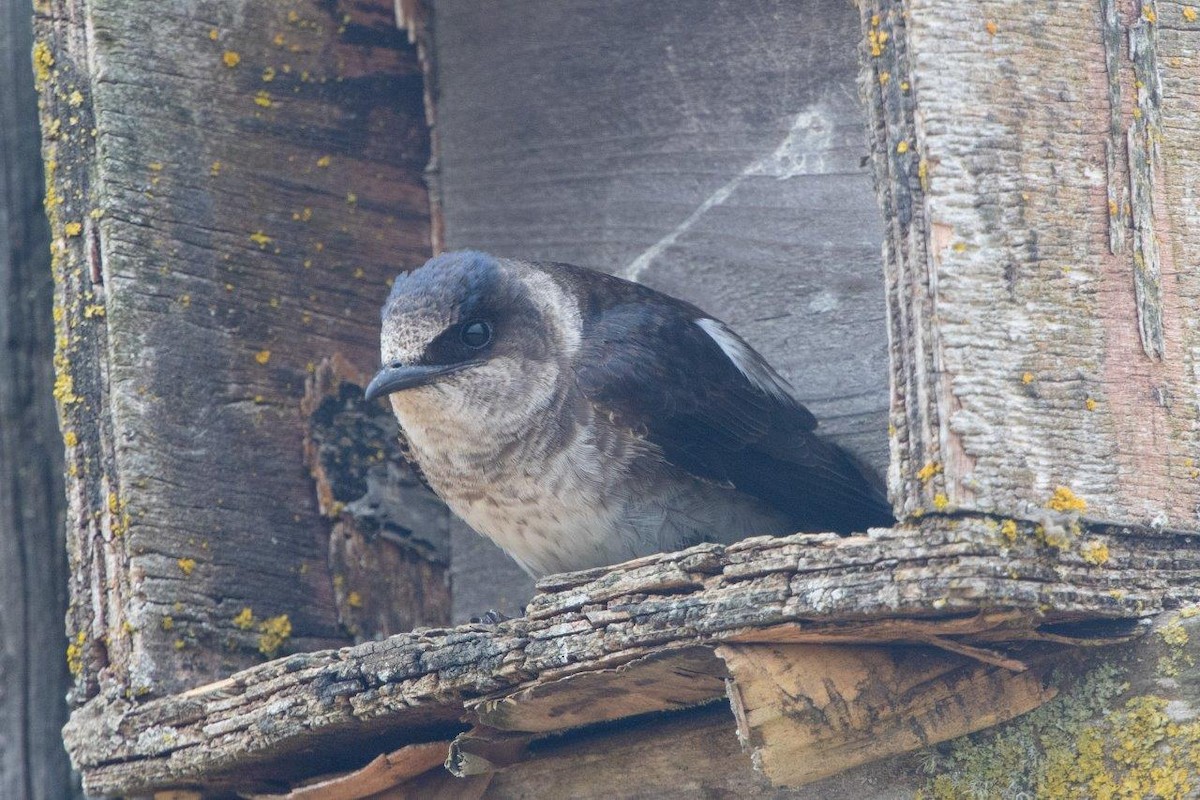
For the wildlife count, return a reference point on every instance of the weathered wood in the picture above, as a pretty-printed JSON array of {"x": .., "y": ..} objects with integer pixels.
[
  {"x": 232, "y": 186},
  {"x": 658, "y": 682},
  {"x": 1038, "y": 171},
  {"x": 961, "y": 581},
  {"x": 388, "y": 771},
  {"x": 683, "y": 755},
  {"x": 33, "y": 579},
  {"x": 389, "y": 544},
  {"x": 811, "y": 711},
  {"x": 716, "y": 153}
]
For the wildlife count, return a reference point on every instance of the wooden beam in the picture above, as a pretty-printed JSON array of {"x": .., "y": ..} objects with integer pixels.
[
  {"x": 960, "y": 582},
  {"x": 226, "y": 213},
  {"x": 810, "y": 711},
  {"x": 1038, "y": 176},
  {"x": 33, "y": 563}
]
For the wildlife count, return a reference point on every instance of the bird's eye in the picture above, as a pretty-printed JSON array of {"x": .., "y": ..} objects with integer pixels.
[{"x": 476, "y": 334}]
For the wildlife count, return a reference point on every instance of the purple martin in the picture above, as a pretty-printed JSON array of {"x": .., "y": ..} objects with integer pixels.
[{"x": 579, "y": 420}]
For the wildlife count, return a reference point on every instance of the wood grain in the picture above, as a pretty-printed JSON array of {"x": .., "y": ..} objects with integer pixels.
[
  {"x": 961, "y": 581},
  {"x": 33, "y": 564},
  {"x": 227, "y": 212},
  {"x": 1037, "y": 169},
  {"x": 810, "y": 711}
]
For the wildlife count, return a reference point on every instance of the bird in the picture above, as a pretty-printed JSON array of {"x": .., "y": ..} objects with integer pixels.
[{"x": 579, "y": 420}]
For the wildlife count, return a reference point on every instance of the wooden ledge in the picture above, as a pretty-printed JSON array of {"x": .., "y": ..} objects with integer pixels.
[{"x": 658, "y": 633}]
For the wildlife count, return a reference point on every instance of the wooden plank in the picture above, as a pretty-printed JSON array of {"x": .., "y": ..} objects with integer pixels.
[
  {"x": 717, "y": 153},
  {"x": 675, "y": 756},
  {"x": 964, "y": 582},
  {"x": 666, "y": 681},
  {"x": 386, "y": 771},
  {"x": 810, "y": 711},
  {"x": 233, "y": 185},
  {"x": 33, "y": 568},
  {"x": 1037, "y": 169}
]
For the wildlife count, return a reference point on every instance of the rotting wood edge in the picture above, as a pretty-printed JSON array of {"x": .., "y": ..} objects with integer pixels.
[{"x": 960, "y": 584}]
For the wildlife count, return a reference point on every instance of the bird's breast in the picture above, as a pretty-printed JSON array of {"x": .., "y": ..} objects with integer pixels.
[
  {"x": 550, "y": 493},
  {"x": 574, "y": 490}
]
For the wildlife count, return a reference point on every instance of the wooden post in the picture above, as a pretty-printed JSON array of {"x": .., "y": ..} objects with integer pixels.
[
  {"x": 33, "y": 580},
  {"x": 1037, "y": 168},
  {"x": 227, "y": 214}
]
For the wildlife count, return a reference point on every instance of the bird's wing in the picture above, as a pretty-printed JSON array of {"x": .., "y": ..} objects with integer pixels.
[{"x": 694, "y": 388}]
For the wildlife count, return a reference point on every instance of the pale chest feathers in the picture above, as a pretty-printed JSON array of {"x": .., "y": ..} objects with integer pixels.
[{"x": 572, "y": 490}]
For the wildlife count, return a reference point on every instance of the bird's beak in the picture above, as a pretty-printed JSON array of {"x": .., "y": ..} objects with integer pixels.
[{"x": 398, "y": 377}]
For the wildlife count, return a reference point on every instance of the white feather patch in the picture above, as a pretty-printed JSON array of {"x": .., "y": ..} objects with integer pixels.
[{"x": 748, "y": 362}]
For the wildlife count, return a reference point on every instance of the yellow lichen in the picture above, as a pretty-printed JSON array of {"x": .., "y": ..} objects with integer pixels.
[
  {"x": 1008, "y": 529},
  {"x": 274, "y": 633},
  {"x": 1090, "y": 404},
  {"x": 260, "y": 239},
  {"x": 73, "y": 229},
  {"x": 1027, "y": 378},
  {"x": 244, "y": 620},
  {"x": 991, "y": 27},
  {"x": 231, "y": 59},
  {"x": 902, "y": 148},
  {"x": 354, "y": 600},
  {"x": 351, "y": 198},
  {"x": 43, "y": 62},
  {"x": 941, "y": 502},
  {"x": 268, "y": 74},
  {"x": 94, "y": 310},
  {"x": 70, "y": 439},
  {"x": 75, "y": 653},
  {"x": 1189, "y": 13},
  {"x": 214, "y": 34},
  {"x": 1137, "y": 752},
  {"x": 930, "y": 469},
  {"x": 323, "y": 161},
  {"x": 1094, "y": 552},
  {"x": 884, "y": 77},
  {"x": 1174, "y": 634},
  {"x": 180, "y": 644},
  {"x": 263, "y": 98},
  {"x": 1065, "y": 500},
  {"x": 186, "y": 565},
  {"x": 262, "y": 356},
  {"x": 167, "y": 623},
  {"x": 215, "y": 169},
  {"x": 876, "y": 40},
  {"x": 75, "y": 99},
  {"x": 1149, "y": 14}
]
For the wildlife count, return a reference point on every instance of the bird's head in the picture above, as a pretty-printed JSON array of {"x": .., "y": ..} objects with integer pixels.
[{"x": 468, "y": 329}]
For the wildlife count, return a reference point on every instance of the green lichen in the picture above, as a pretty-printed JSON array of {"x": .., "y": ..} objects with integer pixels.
[
  {"x": 1136, "y": 752},
  {"x": 1015, "y": 759},
  {"x": 1175, "y": 638}
]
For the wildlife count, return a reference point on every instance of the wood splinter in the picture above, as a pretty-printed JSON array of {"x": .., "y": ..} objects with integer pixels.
[{"x": 807, "y": 711}]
